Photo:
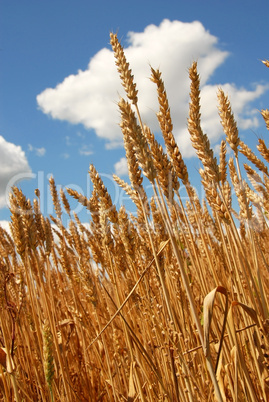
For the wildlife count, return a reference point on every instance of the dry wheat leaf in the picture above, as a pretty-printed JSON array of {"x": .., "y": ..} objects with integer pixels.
[
  {"x": 249, "y": 310},
  {"x": 208, "y": 314}
]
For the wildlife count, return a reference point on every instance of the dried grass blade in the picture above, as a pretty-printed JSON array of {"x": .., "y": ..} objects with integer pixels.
[{"x": 208, "y": 314}]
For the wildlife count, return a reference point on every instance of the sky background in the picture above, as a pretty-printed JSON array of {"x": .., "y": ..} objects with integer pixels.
[{"x": 60, "y": 88}]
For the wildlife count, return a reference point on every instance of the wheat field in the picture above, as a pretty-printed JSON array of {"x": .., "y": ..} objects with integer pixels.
[{"x": 167, "y": 304}]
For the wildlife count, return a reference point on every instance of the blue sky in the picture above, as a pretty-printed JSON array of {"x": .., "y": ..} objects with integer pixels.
[{"x": 59, "y": 86}]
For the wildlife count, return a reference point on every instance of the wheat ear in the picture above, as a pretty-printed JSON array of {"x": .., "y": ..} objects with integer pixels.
[
  {"x": 222, "y": 162},
  {"x": 55, "y": 198},
  {"x": 48, "y": 356},
  {"x": 264, "y": 151},
  {"x": 228, "y": 121},
  {"x": 65, "y": 202},
  {"x": 214, "y": 198},
  {"x": 132, "y": 130},
  {"x": 245, "y": 209},
  {"x": 245, "y": 150},
  {"x": 125, "y": 72},
  {"x": 165, "y": 122},
  {"x": 103, "y": 194},
  {"x": 265, "y": 115},
  {"x": 200, "y": 141},
  {"x": 165, "y": 170}
]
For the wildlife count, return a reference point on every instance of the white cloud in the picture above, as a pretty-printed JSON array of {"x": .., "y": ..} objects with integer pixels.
[
  {"x": 40, "y": 151},
  {"x": 89, "y": 97},
  {"x": 6, "y": 226},
  {"x": 37, "y": 151},
  {"x": 13, "y": 168},
  {"x": 121, "y": 167},
  {"x": 85, "y": 150}
]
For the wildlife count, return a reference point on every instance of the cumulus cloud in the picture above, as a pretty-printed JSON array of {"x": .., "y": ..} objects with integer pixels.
[
  {"x": 13, "y": 168},
  {"x": 89, "y": 97},
  {"x": 121, "y": 167}
]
